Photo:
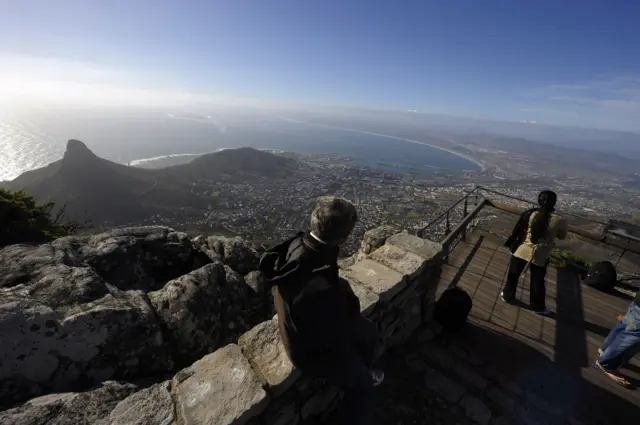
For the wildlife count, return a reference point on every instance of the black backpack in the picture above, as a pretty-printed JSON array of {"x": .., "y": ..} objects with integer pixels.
[
  {"x": 602, "y": 276},
  {"x": 452, "y": 309}
]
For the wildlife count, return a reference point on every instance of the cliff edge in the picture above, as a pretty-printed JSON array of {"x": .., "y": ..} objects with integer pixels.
[{"x": 127, "y": 304}]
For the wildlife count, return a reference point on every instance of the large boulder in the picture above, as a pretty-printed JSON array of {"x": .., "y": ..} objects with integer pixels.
[
  {"x": 240, "y": 315},
  {"x": 203, "y": 310},
  {"x": 371, "y": 240},
  {"x": 139, "y": 257},
  {"x": 85, "y": 408},
  {"x": 25, "y": 264},
  {"x": 375, "y": 238},
  {"x": 260, "y": 295},
  {"x": 65, "y": 324},
  {"x": 264, "y": 349},
  {"x": 221, "y": 388},
  {"x": 132, "y": 258},
  {"x": 237, "y": 253},
  {"x": 66, "y": 288},
  {"x": 53, "y": 345},
  {"x": 150, "y": 406},
  {"x": 189, "y": 308}
]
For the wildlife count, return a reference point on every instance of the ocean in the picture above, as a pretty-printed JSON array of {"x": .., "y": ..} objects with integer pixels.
[{"x": 36, "y": 137}]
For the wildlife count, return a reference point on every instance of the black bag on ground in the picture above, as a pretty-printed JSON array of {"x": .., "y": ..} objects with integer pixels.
[
  {"x": 602, "y": 276},
  {"x": 452, "y": 309}
]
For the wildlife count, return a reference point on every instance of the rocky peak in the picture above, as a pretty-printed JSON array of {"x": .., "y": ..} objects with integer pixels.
[{"x": 77, "y": 151}]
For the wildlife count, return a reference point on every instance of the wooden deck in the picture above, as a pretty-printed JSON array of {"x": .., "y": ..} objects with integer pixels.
[{"x": 551, "y": 356}]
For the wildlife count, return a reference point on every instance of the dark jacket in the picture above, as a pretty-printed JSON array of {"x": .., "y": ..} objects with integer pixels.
[{"x": 313, "y": 303}]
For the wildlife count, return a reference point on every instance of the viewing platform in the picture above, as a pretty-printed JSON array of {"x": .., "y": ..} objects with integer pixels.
[{"x": 511, "y": 366}]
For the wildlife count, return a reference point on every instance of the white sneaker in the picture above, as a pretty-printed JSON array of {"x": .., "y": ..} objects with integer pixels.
[
  {"x": 600, "y": 352},
  {"x": 377, "y": 376},
  {"x": 544, "y": 312}
]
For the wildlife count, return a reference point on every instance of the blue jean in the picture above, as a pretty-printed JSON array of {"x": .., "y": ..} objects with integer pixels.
[{"x": 623, "y": 342}]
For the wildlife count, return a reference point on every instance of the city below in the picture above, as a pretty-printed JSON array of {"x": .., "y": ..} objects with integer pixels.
[{"x": 268, "y": 209}]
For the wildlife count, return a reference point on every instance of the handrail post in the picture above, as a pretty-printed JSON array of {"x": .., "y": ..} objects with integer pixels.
[
  {"x": 448, "y": 224},
  {"x": 447, "y": 231},
  {"x": 464, "y": 232},
  {"x": 451, "y": 238}
]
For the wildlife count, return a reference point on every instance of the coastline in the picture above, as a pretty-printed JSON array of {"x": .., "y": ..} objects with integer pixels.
[
  {"x": 138, "y": 162},
  {"x": 145, "y": 162},
  {"x": 148, "y": 162},
  {"x": 418, "y": 142}
]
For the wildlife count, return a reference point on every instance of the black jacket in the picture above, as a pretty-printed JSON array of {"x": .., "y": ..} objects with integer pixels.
[{"x": 313, "y": 303}]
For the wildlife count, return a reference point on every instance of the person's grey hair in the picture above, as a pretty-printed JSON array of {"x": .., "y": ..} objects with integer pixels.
[{"x": 333, "y": 219}]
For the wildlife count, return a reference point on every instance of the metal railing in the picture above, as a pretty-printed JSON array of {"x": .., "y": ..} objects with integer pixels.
[
  {"x": 460, "y": 232},
  {"x": 440, "y": 226},
  {"x": 456, "y": 220},
  {"x": 528, "y": 201},
  {"x": 460, "y": 209}
]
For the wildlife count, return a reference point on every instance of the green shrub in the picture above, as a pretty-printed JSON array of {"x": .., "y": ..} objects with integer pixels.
[
  {"x": 22, "y": 220},
  {"x": 567, "y": 258}
]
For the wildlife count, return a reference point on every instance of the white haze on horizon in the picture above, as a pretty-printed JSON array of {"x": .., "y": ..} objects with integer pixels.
[{"x": 26, "y": 81}]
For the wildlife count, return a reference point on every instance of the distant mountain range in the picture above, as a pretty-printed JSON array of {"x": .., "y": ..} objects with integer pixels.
[{"x": 99, "y": 190}]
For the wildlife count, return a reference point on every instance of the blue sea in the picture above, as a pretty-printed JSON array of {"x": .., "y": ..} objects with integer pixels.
[{"x": 35, "y": 137}]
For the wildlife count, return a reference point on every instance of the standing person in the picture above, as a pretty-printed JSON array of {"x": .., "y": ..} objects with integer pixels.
[
  {"x": 531, "y": 243},
  {"x": 318, "y": 314},
  {"x": 622, "y": 343}
]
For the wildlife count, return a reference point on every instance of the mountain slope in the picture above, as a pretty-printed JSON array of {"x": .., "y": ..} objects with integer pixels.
[
  {"x": 231, "y": 161},
  {"x": 99, "y": 190}
]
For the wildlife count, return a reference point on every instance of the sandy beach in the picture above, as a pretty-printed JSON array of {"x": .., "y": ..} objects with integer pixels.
[{"x": 418, "y": 142}]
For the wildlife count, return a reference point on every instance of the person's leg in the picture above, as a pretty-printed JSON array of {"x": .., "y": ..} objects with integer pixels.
[
  {"x": 613, "y": 335},
  {"x": 538, "y": 290},
  {"x": 354, "y": 377},
  {"x": 366, "y": 335},
  {"x": 626, "y": 342},
  {"x": 515, "y": 270}
]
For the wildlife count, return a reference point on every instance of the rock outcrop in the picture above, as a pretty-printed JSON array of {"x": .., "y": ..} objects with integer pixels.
[
  {"x": 106, "y": 351},
  {"x": 233, "y": 251},
  {"x": 261, "y": 297},
  {"x": 119, "y": 305},
  {"x": 203, "y": 310},
  {"x": 371, "y": 240},
  {"x": 150, "y": 406},
  {"x": 139, "y": 258},
  {"x": 130, "y": 258},
  {"x": 97, "y": 333},
  {"x": 220, "y": 388},
  {"x": 86, "y": 408}
]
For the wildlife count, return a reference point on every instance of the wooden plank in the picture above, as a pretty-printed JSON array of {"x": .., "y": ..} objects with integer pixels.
[{"x": 580, "y": 327}]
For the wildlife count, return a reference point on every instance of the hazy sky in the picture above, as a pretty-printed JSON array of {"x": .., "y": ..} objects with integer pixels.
[{"x": 558, "y": 62}]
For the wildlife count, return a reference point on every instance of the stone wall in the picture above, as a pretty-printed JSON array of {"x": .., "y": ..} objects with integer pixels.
[{"x": 254, "y": 382}]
